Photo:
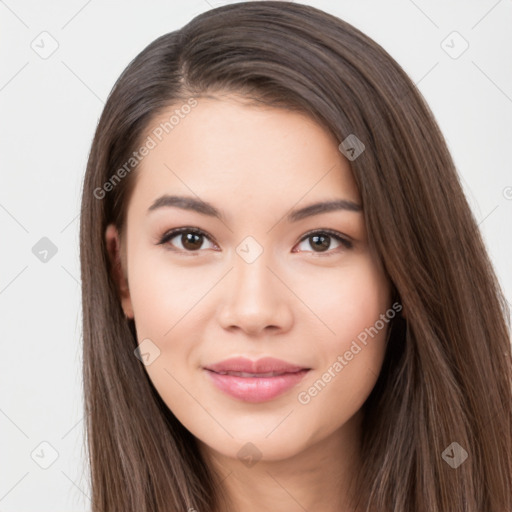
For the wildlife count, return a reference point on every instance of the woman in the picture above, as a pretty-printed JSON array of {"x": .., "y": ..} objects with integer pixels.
[{"x": 287, "y": 304}]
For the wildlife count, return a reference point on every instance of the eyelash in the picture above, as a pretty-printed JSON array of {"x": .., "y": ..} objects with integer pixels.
[{"x": 169, "y": 235}]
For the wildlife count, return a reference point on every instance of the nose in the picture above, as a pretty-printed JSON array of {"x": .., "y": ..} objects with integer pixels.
[{"x": 254, "y": 299}]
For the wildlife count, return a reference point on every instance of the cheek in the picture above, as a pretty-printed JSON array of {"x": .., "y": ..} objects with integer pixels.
[
  {"x": 163, "y": 292},
  {"x": 166, "y": 299},
  {"x": 344, "y": 301},
  {"x": 163, "y": 298},
  {"x": 353, "y": 306}
]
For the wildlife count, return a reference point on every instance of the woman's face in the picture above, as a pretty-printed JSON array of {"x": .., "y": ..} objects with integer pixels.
[{"x": 255, "y": 282}]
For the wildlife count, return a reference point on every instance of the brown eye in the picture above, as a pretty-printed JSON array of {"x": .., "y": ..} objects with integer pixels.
[
  {"x": 191, "y": 241},
  {"x": 321, "y": 241},
  {"x": 186, "y": 239}
]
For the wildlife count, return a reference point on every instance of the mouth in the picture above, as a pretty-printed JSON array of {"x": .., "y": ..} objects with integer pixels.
[
  {"x": 256, "y": 375},
  {"x": 266, "y": 367},
  {"x": 255, "y": 387}
]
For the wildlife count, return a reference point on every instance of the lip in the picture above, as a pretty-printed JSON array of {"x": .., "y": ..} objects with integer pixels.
[
  {"x": 255, "y": 388},
  {"x": 263, "y": 365}
]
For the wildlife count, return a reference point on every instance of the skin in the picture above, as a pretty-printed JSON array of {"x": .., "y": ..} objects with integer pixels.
[{"x": 294, "y": 302}]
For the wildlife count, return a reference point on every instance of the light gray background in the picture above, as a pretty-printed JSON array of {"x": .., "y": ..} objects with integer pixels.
[{"x": 49, "y": 110}]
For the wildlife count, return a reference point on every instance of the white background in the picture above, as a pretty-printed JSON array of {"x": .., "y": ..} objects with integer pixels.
[{"x": 49, "y": 110}]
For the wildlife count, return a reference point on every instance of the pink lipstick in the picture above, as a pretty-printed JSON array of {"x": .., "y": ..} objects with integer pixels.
[{"x": 255, "y": 381}]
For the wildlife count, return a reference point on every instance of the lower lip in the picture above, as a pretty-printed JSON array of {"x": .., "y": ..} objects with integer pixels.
[{"x": 256, "y": 389}]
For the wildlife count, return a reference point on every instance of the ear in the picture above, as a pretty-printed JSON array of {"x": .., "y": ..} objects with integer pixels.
[{"x": 113, "y": 244}]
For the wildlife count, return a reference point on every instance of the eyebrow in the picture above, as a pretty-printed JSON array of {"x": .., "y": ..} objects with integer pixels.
[{"x": 205, "y": 208}]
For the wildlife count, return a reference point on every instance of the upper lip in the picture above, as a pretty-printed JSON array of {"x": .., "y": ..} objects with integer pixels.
[{"x": 263, "y": 365}]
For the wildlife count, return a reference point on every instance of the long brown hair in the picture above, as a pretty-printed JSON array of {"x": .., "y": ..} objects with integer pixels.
[{"x": 447, "y": 374}]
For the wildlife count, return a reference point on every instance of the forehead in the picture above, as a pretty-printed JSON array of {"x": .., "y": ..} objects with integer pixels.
[{"x": 226, "y": 147}]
